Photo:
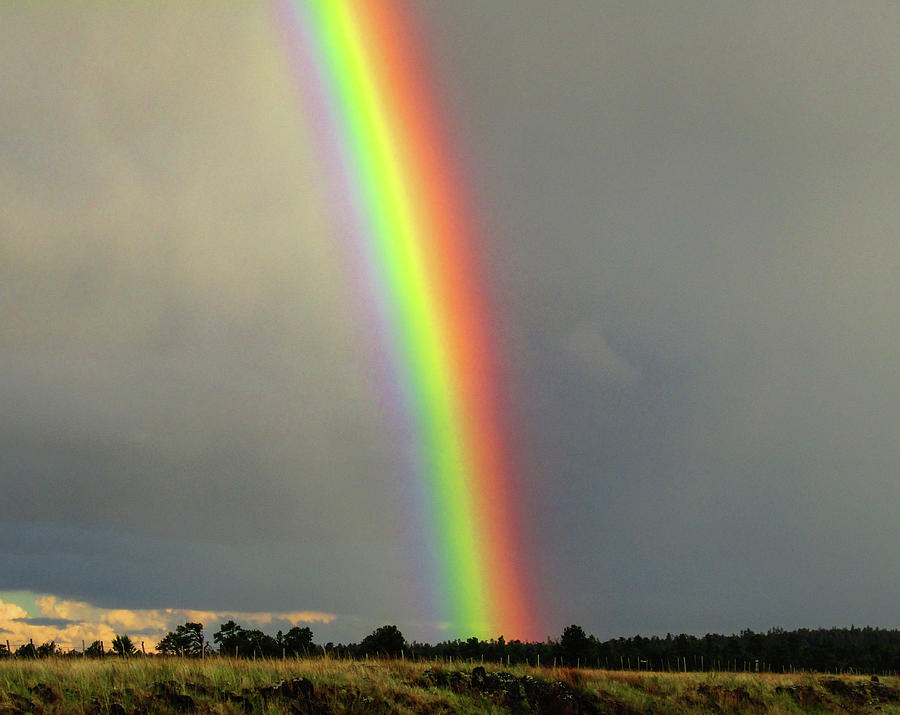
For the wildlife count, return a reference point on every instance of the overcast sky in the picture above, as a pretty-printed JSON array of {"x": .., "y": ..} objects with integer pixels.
[{"x": 690, "y": 215}]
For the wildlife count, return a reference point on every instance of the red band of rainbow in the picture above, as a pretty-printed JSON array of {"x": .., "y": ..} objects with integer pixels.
[{"x": 362, "y": 78}]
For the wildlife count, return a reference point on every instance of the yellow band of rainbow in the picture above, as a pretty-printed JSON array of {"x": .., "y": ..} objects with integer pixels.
[{"x": 418, "y": 237}]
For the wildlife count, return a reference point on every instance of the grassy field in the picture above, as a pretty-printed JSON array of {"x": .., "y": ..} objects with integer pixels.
[{"x": 223, "y": 685}]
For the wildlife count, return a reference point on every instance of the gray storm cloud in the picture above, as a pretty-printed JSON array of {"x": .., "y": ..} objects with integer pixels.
[
  {"x": 691, "y": 227},
  {"x": 183, "y": 376},
  {"x": 589, "y": 351},
  {"x": 712, "y": 187}
]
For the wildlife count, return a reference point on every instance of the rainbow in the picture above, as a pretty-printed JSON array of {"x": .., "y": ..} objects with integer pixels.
[{"x": 399, "y": 201}]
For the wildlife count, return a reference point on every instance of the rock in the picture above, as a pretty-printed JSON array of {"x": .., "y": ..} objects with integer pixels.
[
  {"x": 245, "y": 703},
  {"x": 839, "y": 687},
  {"x": 167, "y": 691},
  {"x": 479, "y": 677},
  {"x": 15, "y": 703},
  {"x": 198, "y": 688},
  {"x": 44, "y": 692},
  {"x": 296, "y": 687}
]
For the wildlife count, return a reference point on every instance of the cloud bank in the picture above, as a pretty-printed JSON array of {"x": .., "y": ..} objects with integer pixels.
[{"x": 70, "y": 624}]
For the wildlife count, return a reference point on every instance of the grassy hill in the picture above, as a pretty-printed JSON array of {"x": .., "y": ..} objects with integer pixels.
[{"x": 224, "y": 685}]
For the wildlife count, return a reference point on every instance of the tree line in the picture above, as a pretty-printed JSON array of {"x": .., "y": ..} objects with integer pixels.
[{"x": 864, "y": 650}]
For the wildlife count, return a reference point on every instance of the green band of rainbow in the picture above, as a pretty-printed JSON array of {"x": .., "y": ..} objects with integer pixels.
[{"x": 418, "y": 238}]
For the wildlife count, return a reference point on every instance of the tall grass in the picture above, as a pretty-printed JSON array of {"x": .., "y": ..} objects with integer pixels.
[{"x": 227, "y": 685}]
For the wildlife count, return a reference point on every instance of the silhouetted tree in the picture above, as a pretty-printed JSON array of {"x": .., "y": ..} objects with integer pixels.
[
  {"x": 574, "y": 645},
  {"x": 94, "y": 650},
  {"x": 46, "y": 650},
  {"x": 836, "y": 649},
  {"x": 386, "y": 640},
  {"x": 26, "y": 651},
  {"x": 297, "y": 640},
  {"x": 184, "y": 640},
  {"x": 231, "y": 639},
  {"x": 261, "y": 645},
  {"x": 123, "y": 646}
]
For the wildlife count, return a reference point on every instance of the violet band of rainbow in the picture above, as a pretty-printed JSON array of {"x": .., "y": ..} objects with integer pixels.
[{"x": 417, "y": 255}]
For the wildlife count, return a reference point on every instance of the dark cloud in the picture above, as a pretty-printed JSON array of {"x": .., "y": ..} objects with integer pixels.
[
  {"x": 55, "y": 622},
  {"x": 689, "y": 217},
  {"x": 188, "y": 415},
  {"x": 694, "y": 242}
]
